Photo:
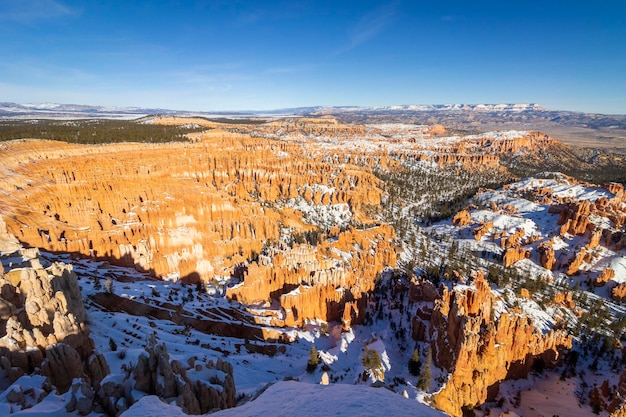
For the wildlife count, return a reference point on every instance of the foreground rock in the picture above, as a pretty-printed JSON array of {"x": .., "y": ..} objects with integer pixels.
[
  {"x": 194, "y": 386},
  {"x": 43, "y": 324}
]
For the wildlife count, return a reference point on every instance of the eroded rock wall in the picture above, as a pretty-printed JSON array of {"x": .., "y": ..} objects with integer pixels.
[
  {"x": 43, "y": 322},
  {"x": 189, "y": 210},
  {"x": 479, "y": 348}
]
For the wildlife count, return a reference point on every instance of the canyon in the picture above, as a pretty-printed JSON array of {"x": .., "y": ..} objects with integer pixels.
[{"x": 296, "y": 231}]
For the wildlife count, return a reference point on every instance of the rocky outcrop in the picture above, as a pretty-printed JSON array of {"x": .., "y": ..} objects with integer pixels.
[
  {"x": 564, "y": 299},
  {"x": 573, "y": 217},
  {"x": 618, "y": 293},
  {"x": 462, "y": 218},
  {"x": 42, "y": 319},
  {"x": 196, "y": 387},
  {"x": 604, "y": 277},
  {"x": 52, "y": 311},
  {"x": 576, "y": 263},
  {"x": 514, "y": 254},
  {"x": 480, "y": 350},
  {"x": 610, "y": 398},
  {"x": 62, "y": 365},
  {"x": 512, "y": 240},
  {"x": 482, "y": 230},
  {"x": 314, "y": 284},
  {"x": 547, "y": 254}
]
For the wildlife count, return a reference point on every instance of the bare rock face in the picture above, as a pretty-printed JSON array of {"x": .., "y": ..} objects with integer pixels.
[
  {"x": 53, "y": 309},
  {"x": 604, "y": 277},
  {"x": 576, "y": 262},
  {"x": 193, "y": 387},
  {"x": 462, "y": 218},
  {"x": 313, "y": 284},
  {"x": 548, "y": 258},
  {"x": 479, "y": 350},
  {"x": 618, "y": 293},
  {"x": 42, "y": 319},
  {"x": 8, "y": 242},
  {"x": 62, "y": 365},
  {"x": 514, "y": 254}
]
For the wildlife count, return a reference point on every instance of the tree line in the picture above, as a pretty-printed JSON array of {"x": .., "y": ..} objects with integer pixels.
[{"x": 93, "y": 131}]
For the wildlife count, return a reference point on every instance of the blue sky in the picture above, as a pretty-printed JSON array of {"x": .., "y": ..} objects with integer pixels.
[{"x": 234, "y": 55}]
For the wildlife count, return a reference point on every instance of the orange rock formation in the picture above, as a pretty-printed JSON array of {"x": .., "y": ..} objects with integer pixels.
[
  {"x": 514, "y": 254},
  {"x": 479, "y": 351},
  {"x": 576, "y": 262},
  {"x": 182, "y": 209},
  {"x": 604, "y": 277},
  {"x": 309, "y": 285},
  {"x": 462, "y": 218},
  {"x": 482, "y": 230},
  {"x": 618, "y": 293},
  {"x": 548, "y": 259}
]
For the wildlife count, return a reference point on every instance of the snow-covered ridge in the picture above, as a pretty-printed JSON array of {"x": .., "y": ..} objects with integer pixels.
[
  {"x": 509, "y": 107},
  {"x": 306, "y": 400},
  {"x": 10, "y": 109}
]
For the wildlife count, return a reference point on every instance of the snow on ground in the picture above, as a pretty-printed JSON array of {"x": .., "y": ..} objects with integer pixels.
[
  {"x": 618, "y": 264},
  {"x": 542, "y": 397},
  {"x": 341, "y": 351},
  {"x": 292, "y": 398},
  {"x": 560, "y": 187},
  {"x": 324, "y": 215}
]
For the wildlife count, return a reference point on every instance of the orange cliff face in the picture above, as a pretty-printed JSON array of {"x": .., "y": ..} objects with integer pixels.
[
  {"x": 479, "y": 351},
  {"x": 318, "y": 283},
  {"x": 189, "y": 210}
]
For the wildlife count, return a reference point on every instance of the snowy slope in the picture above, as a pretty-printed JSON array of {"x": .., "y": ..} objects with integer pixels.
[{"x": 290, "y": 398}]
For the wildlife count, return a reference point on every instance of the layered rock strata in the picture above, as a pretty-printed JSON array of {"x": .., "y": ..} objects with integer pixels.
[
  {"x": 190, "y": 210},
  {"x": 42, "y": 323},
  {"x": 318, "y": 283},
  {"x": 480, "y": 349}
]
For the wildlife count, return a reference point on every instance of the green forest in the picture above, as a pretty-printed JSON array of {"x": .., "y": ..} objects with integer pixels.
[{"x": 93, "y": 131}]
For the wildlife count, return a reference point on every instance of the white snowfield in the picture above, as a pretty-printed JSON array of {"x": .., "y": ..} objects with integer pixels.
[{"x": 291, "y": 398}]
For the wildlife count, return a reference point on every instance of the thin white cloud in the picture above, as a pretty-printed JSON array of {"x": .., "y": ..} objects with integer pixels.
[
  {"x": 369, "y": 26},
  {"x": 288, "y": 69},
  {"x": 28, "y": 11}
]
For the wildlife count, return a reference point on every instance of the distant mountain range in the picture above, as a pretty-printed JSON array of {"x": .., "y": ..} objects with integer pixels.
[
  {"x": 9, "y": 110},
  {"x": 574, "y": 127}
]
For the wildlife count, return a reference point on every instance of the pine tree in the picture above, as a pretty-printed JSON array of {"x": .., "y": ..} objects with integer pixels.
[
  {"x": 414, "y": 363},
  {"x": 423, "y": 382},
  {"x": 112, "y": 344},
  {"x": 314, "y": 359},
  {"x": 372, "y": 364}
]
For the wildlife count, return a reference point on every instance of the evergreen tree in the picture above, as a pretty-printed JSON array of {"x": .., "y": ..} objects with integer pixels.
[
  {"x": 112, "y": 344},
  {"x": 423, "y": 382},
  {"x": 314, "y": 359},
  {"x": 414, "y": 363},
  {"x": 373, "y": 365}
]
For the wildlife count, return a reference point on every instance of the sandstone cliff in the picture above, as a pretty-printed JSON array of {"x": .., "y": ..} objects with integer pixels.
[
  {"x": 479, "y": 348},
  {"x": 189, "y": 210},
  {"x": 42, "y": 321},
  {"x": 316, "y": 283}
]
